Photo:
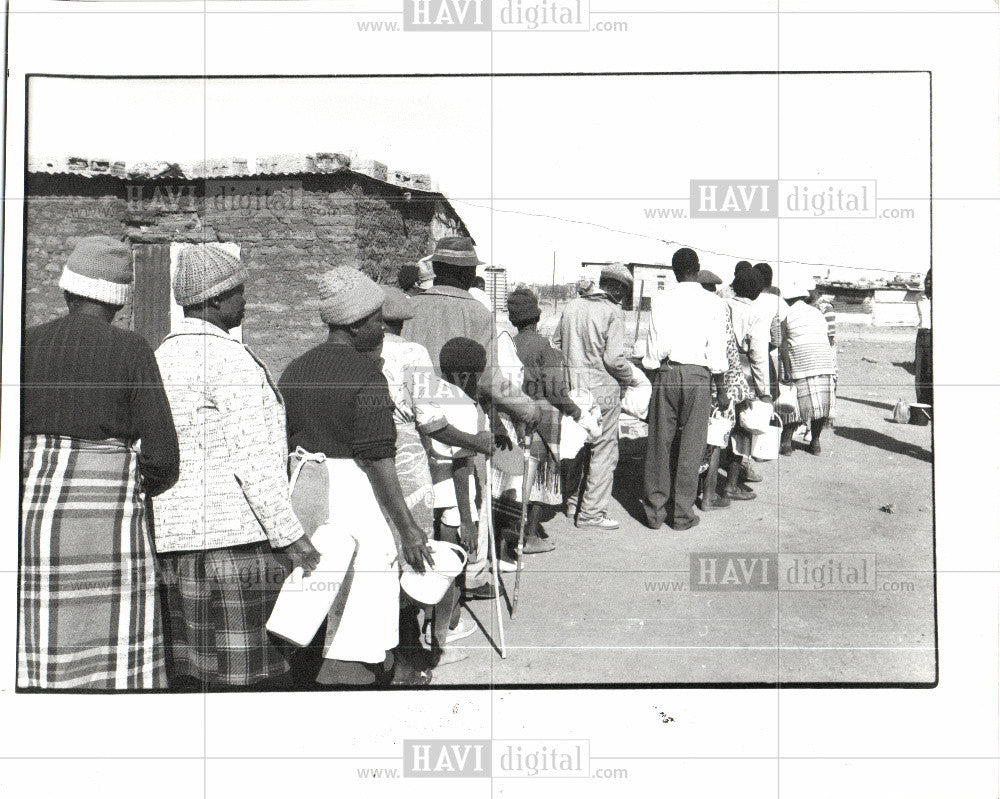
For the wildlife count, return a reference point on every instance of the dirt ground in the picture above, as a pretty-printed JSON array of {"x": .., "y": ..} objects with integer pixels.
[{"x": 620, "y": 607}]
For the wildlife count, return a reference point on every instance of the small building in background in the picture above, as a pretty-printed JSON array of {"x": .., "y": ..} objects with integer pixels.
[
  {"x": 290, "y": 218},
  {"x": 496, "y": 287}
]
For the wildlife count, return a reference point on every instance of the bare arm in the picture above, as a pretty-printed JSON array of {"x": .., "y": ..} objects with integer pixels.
[
  {"x": 462, "y": 470},
  {"x": 411, "y": 541}
]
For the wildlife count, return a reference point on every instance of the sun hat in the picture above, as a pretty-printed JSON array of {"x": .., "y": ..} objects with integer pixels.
[
  {"x": 617, "y": 271},
  {"x": 99, "y": 268},
  {"x": 398, "y": 305},
  {"x": 455, "y": 251},
  {"x": 346, "y": 295},
  {"x": 205, "y": 271}
]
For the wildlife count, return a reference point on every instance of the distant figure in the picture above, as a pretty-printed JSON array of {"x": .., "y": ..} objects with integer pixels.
[
  {"x": 924, "y": 354},
  {"x": 773, "y": 309},
  {"x": 544, "y": 380},
  {"x": 591, "y": 335},
  {"x": 809, "y": 362},
  {"x": 687, "y": 346},
  {"x": 478, "y": 291},
  {"x": 766, "y": 275}
]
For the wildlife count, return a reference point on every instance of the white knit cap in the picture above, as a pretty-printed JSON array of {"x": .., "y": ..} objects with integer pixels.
[
  {"x": 205, "y": 271},
  {"x": 99, "y": 268}
]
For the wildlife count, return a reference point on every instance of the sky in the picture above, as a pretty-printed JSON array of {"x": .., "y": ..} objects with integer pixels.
[{"x": 558, "y": 170}]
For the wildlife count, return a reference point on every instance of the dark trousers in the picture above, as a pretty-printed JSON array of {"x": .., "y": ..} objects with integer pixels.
[
  {"x": 678, "y": 431},
  {"x": 924, "y": 367}
]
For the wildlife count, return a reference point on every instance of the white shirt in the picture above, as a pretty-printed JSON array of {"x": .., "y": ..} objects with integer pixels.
[
  {"x": 687, "y": 324},
  {"x": 753, "y": 334},
  {"x": 771, "y": 305}
]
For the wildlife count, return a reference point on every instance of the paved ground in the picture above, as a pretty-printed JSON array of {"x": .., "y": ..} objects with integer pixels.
[{"x": 619, "y": 607}]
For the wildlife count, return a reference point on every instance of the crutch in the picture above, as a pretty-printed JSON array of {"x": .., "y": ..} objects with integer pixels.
[
  {"x": 492, "y": 549},
  {"x": 525, "y": 494}
]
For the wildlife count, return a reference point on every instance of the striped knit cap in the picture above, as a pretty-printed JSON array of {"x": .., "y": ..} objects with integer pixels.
[
  {"x": 205, "y": 271},
  {"x": 99, "y": 268},
  {"x": 346, "y": 295}
]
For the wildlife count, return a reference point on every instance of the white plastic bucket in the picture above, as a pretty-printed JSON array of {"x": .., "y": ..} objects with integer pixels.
[
  {"x": 767, "y": 444},
  {"x": 757, "y": 418},
  {"x": 304, "y": 602},
  {"x": 720, "y": 426},
  {"x": 635, "y": 400},
  {"x": 429, "y": 588},
  {"x": 762, "y": 446}
]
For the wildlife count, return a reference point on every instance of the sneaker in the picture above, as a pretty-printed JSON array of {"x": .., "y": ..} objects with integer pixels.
[
  {"x": 506, "y": 566},
  {"x": 463, "y": 630},
  {"x": 602, "y": 522}
]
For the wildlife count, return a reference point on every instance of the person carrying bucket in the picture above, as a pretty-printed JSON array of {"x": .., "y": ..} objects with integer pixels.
[{"x": 339, "y": 416}]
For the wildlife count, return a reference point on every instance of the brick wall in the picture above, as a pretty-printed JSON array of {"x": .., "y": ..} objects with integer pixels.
[
  {"x": 290, "y": 231},
  {"x": 60, "y": 210}
]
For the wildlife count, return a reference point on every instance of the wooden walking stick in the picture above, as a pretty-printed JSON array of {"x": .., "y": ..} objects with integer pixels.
[
  {"x": 492, "y": 549},
  {"x": 525, "y": 495}
]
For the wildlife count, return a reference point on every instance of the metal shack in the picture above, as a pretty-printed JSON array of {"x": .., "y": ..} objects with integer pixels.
[{"x": 291, "y": 218}]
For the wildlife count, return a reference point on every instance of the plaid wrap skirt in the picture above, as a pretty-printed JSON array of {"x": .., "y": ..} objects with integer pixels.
[
  {"x": 218, "y": 602},
  {"x": 88, "y": 617},
  {"x": 817, "y": 399}
]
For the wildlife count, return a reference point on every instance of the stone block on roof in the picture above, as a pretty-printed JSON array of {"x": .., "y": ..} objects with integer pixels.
[
  {"x": 410, "y": 180},
  {"x": 373, "y": 169}
]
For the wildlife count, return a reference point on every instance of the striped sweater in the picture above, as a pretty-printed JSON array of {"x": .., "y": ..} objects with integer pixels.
[{"x": 805, "y": 340}]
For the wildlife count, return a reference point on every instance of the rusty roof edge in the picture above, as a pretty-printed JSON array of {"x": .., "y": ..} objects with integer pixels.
[{"x": 318, "y": 163}]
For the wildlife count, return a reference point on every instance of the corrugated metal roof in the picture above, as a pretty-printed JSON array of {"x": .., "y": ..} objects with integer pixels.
[{"x": 281, "y": 165}]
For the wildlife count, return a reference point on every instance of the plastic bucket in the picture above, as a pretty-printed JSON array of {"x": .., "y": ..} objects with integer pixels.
[
  {"x": 430, "y": 587},
  {"x": 757, "y": 418},
  {"x": 920, "y": 414},
  {"x": 304, "y": 602},
  {"x": 720, "y": 425},
  {"x": 767, "y": 444}
]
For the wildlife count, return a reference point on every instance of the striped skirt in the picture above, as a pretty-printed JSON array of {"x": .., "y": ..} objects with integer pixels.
[
  {"x": 88, "y": 617},
  {"x": 817, "y": 399}
]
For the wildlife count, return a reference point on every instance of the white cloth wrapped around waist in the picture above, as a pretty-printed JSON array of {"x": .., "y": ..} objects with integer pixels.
[{"x": 363, "y": 623}]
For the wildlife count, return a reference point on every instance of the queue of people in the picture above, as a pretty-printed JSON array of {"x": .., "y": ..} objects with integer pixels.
[{"x": 168, "y": 495}]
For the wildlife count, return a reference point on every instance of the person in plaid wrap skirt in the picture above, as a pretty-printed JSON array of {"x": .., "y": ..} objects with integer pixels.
[
  {"x": 218, "y": 528},
  {"x": 88, "y": 617}
]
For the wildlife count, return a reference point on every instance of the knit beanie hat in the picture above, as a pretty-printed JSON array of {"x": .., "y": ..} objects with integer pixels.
[
  {"x": 99, "y": 268},
  {"x": 205, "y": 271},
  {"x": 346, "y": 295},
  {"x": 522, "y": 307},
  {"x": 398, "y": 305}
]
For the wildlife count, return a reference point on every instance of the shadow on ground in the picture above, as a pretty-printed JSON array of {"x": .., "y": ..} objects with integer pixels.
[{"x": 872, "y": 438}]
